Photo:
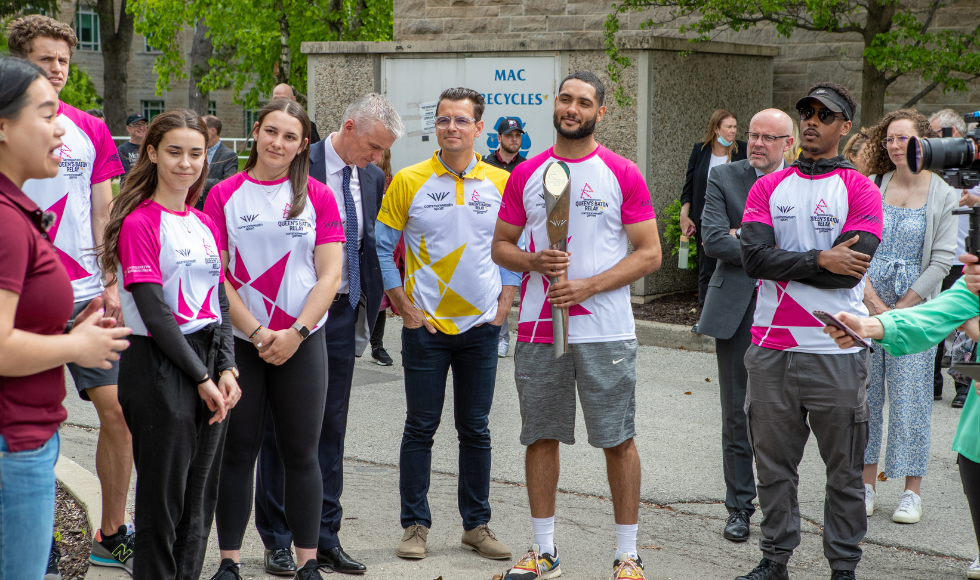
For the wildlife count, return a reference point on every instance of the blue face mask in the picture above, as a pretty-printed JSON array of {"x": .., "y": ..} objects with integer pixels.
[{"x": 723, "y": 142}]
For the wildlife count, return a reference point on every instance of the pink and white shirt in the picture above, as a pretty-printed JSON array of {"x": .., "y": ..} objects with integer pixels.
[
  {"x": 88, "y": 157},
  {"x": 607, "y": 191},
  {"x": 808, "y": 213},
  {"x": 270, "y": 255},
  {"x": 179, "y": 251}
]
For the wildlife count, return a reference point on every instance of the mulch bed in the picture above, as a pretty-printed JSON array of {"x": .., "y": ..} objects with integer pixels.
[
  {"x": 73, "y": 536},
  {"x": 681, "y": 308}
]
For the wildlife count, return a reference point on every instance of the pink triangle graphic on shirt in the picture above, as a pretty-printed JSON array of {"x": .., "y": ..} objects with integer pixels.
[
  {"x": 75, "y": 271},
  {"x": 774, "y": 338},
  {"x": 58, "y": 209},
  {"x": 241, "y": 273},
  {"x": 280, "y": 320},
  {"x": 268, "y": 283},
  {"x": 183, "y": 309},
  {"x": 205, "y": 312},
  {"x": 268, "y": 306},
  {"x": 790, "y": 313},
  {"x": 530, "y": 242}
]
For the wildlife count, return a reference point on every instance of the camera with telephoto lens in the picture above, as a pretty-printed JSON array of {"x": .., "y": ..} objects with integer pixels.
[
  {"x": 973, "y": 235},
  {"x": 956, "y": 159}
]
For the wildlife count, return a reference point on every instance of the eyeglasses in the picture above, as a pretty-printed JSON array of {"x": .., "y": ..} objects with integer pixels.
[
  {"x": 750, "y": 137},
  {"x": 901, "y": 139},
  {"x": 461, "y": 122},
  {"x": 826, "y": 116}
]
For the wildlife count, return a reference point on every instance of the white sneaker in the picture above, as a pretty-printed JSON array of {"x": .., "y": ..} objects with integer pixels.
[
  {"x": 974, "y": 570},
  {"x": 502, "y": 347},
  {"x": 909, "y": 509},
  {"x": 870, "y": 499}
]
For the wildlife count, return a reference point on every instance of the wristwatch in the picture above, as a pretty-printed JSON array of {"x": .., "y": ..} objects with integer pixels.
[
  {"x": 738, "y": 234},
  {"x": 302, "y": 330},
  {"x": 234, "y": 371}
]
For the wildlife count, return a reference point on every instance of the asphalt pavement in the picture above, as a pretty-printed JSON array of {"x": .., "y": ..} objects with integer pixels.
[{"x": 679, "y": 439}]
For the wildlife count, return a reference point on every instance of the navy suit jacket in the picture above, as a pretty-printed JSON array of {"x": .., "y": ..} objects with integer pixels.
[{"x": 372, "y": 181}]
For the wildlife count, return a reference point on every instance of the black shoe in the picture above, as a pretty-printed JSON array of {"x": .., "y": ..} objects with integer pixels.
[
  {"x": 381, "y": 356},
  {"x": 279, "y": 562},
  {"x": 337, "y": 560},
  {"x": 843, "y": 575},
  {"x": 737, "y": 526},
  {"x": 53, "y": 573},
  {"x": 958, "y": 401},
  {"x": 227, "y": 570},
  {"x": 309, "y": 571},
  {"x": 767, "y": 570}
]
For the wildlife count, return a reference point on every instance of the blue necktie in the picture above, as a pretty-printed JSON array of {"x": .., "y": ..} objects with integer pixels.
[{"x": 350, "y": 233}]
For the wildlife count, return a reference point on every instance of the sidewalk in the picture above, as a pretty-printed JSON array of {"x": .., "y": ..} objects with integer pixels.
[{"x": 680, "y": 523}]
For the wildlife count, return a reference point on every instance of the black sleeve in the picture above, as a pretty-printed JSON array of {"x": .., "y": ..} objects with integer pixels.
[
  {"x": 687, "y": 194},
  {"x": 226, "y": 353},
  {"x": 159, "y": 320},
  {"x": 230, "y": 167},
  {"x": 764, "y": 261},
  {"x": 826, "y": 280},
  {"x": 314, "y": 135}
]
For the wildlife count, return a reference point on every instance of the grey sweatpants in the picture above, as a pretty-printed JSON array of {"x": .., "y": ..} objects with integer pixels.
[{"x": 788, "y": 394}]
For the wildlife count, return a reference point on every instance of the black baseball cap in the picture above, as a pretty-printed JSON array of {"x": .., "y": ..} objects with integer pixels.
[
  {"x": 134, "y": 118},
  {"x": 508, "y": 125},
  {"x": 830, "y": 99}
]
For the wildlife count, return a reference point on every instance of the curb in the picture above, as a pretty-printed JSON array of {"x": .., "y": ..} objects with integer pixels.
[
  {"x": 87, "y": 491},
  {"x": 656, "y": 334}
]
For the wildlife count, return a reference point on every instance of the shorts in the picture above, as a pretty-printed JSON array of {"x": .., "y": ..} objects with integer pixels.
[
  {"x": 605, "y": 373},
  {"x": 86, "y": 378}
]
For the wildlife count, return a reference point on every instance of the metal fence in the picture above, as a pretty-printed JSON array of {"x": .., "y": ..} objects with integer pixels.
[{"x": 238, "y": 145}]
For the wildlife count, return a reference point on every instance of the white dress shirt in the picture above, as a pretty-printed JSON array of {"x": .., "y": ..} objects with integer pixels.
[{"x": 335, "y": 181}]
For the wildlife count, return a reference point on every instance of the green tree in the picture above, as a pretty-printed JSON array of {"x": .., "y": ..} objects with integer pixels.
[
  {"x": 900, "y": 38},
  {"x": 79, "y": 91},
  {"x": 256, "y": 43}
]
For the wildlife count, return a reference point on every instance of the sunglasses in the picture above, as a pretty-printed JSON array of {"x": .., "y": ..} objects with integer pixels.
[
  {"x": 826, "y": 116},
  {"x": 461, "y": 122}
]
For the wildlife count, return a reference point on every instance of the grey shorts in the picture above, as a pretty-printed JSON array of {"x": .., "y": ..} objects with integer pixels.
[
  {"x": 88, "y": 378},
  {"x": 605, "y": 373}
]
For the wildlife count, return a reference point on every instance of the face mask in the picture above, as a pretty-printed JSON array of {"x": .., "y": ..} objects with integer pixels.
[{"x": 723, "y": 142}]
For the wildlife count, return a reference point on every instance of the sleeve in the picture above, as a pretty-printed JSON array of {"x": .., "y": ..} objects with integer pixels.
[
  {"x": 512, "y": 202},
  {"x": 164, "y": 331},
  {"x": 508, "y": 278},
  {"x": 15, "y": 250},
  {"x": 387, "y": 239},
  {"x": 329, "y": 228},
  {"x": 943, "y": 242},
  {"x": 637, "y": 206},
  {"x": 139, "y": 250},
  {"x": 826, "y": 280},
  {"x": 687, "y": 194},
  {"x": 230, "y": 166},
  {"x": 226, "y": 353},
  {"x": 913, "y": 330},
  {"x": 761, "y": 258},
  {"x": 214, "y": 209},
  {"x": 107, "y": 163},
  {"x": 864, "y": 211},
  {"x": 715, "y": 225},
  {"x": 396, "y": 202}
]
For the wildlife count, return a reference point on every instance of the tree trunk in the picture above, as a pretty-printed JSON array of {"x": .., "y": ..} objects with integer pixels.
[
  {"x": 117, "y": 41},
  {"x": 285, "y": 58},
  {"x": 873, "y": 81},
  {"x": 201, "y": 50}
]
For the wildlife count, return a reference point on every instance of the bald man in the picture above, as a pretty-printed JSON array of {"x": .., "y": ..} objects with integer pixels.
[
  {"x": 284, "y": 91},
  {"x": 730, "y": 303}
]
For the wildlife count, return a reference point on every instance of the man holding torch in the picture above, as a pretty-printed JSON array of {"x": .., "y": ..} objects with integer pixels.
[{"x": 598, "y": 203}]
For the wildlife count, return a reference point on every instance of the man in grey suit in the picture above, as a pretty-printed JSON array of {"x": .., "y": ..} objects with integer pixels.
[
  {"x": 730, "y": 304},
  {"x": 222, "y": 161}
]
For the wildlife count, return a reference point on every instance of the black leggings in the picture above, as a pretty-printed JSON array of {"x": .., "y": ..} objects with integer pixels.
[
  {"x": 970, "y": 477},
  {"x": 296, "y": 392}
]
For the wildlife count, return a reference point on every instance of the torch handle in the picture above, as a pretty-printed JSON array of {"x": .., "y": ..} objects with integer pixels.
[{"x": 559, "y": 326}]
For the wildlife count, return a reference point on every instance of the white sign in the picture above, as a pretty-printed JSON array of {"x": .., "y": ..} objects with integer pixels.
[{"x": 427, "y": 114}]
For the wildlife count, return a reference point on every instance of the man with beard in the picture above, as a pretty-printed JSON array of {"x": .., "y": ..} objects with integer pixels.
[
  {"x": 730, "y": 304},
  {"x": 808, "y": 234},
  {"x": 507, "y": 156},
  {"x": 611, "y": 208}
]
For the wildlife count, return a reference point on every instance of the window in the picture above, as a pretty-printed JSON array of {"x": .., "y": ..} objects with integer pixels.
[
  {"x": 213, "y": 108},
  {"x": 151, "y": 109},
  {"x": 147, "y": 47},
  {"x": 87, "y": 29},
  {"x": 251, "y": 117}
]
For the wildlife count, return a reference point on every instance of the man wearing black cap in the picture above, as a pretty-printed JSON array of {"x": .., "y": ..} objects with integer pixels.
[
  {"x": 129, "y": 151},
  {"x": 507, "y": 156},
  {"x": 808, "y": 234}
]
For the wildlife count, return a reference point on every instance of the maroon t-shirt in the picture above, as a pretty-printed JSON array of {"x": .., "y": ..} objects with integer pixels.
[{"x": 30, "y": 407}]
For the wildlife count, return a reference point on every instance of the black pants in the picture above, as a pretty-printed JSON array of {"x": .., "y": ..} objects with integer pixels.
[
  {"x": 378, "y": 335},
  {"x": 937, "y": 379},
  {"x": 270, "y": 517},
  {"x": 706, "y": 267},
  {"x": 970, "y": 478},
  {"x": 295, "y": 392},
  {"x": 177, "y": 458},
  {"x": 736, "y": 451}
]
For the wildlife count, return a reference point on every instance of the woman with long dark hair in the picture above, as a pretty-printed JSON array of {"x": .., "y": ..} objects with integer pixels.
[
  {"x": 178, "y": 380},
  {"x": 281, "y": 249},
  {"x": 718, "y": 147},
  {"x": 36, "y": 303}
]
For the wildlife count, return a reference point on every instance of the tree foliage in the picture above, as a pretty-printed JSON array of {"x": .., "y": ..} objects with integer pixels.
[
  {"x": 256, "y": 42},
  {"x": 899, "y": 37},
  {"x": 79, "y": 90}
]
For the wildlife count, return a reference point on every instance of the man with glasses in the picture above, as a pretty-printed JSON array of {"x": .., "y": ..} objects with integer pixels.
[
  {"x": 453, "y": 302},
  {"x": 808, "y": 234},
  {"x": 730, "y": 303}
]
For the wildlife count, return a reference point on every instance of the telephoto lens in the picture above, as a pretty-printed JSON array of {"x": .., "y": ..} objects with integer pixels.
[{"x": 940, "y": 153}]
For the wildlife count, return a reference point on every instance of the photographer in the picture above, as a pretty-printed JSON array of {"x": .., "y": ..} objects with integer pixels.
[{"x": 916, "y": 329}]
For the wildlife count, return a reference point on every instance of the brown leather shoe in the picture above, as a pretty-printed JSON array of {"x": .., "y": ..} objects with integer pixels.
[
  {"x": 483, "y": 541},
  {"x": 413, "y": 542}
]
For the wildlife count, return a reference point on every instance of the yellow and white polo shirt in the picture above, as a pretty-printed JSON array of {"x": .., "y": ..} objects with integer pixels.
[{"x": 448, "y": 224}]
